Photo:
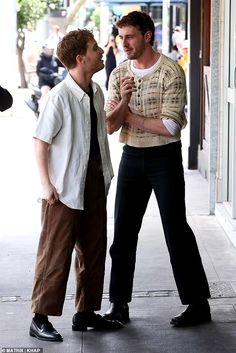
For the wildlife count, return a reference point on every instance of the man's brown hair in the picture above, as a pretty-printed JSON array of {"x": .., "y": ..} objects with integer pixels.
[
  {"x": 72, "y": 44},
  {"x": 138, "y": 19}
]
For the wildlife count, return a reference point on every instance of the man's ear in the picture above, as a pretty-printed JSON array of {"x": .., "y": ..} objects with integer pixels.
[
  {"x": 148, "y": 36},
  {"x": 79, "y": 58}
]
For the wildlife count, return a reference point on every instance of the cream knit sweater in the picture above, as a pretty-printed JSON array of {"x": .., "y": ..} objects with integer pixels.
[{"x": 161, "y": 94}]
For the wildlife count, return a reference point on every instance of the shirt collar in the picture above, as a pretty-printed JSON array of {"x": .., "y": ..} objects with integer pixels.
[{"x": 76, "y": 88}]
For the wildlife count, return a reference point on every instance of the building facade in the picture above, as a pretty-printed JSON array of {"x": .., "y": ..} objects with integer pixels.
[
  {"x": 225, "y": 203},
  {"x": 212, "y": 146}
]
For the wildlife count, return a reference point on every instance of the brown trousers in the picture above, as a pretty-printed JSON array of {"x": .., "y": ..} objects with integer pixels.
[{"x": 63, "y": 230}]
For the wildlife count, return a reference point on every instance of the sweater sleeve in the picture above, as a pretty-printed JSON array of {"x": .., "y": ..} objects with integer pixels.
[{"x": 174, "y": 97}]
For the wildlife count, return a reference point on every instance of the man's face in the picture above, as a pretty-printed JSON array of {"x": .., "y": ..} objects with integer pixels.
[
  {"x": 48, "y": 51},
  {"x": 133, "y": 41},
  {"x": 93, "y": 57}
]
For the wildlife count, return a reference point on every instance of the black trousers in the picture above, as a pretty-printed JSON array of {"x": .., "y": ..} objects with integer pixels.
[{"x": 160, "y": 169}]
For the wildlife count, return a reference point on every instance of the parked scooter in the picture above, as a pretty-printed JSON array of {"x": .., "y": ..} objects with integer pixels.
[
  {"x": 33, "y": 102},
  {"x": 49, "y": 75}
]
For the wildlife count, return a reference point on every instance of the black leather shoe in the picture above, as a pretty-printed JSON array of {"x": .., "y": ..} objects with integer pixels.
[
  {"x": 44, "y": 331},
  {"x": 81, "y": 322},
  {"x": 118, "y": 312},
  {"x": 193, "y": 315}
]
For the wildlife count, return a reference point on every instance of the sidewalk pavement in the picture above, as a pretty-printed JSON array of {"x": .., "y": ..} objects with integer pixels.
[{"x": 155, "y": 298}]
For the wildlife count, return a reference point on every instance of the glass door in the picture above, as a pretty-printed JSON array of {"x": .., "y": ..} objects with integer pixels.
[{"x": 230, "y": 110}]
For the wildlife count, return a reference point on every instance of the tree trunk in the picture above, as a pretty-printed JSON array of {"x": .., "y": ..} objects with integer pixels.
[{"x": 74, "y": 10}]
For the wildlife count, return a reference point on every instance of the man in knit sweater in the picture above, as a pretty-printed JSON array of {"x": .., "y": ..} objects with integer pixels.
[{"x": 147, "y": 96}]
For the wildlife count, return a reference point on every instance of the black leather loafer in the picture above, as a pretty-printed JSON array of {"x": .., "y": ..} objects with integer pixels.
[
  {"x": 82, "y": 321},
  {"x": 44, "y": 331},
  {"x": 193, "y": 315},
  {"x": 118, "y": 312}
]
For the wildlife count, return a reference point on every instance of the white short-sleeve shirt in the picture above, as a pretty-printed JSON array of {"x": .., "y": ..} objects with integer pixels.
[{"x": 65, "y": 124}]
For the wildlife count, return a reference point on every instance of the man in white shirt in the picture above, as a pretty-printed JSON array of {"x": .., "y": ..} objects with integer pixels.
[{"x": 74, "y": 164}]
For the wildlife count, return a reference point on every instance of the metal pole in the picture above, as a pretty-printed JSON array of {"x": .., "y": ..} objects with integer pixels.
[{"x": 165, "y": 26}]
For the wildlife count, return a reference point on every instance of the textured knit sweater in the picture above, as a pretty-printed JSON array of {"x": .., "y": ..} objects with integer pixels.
[{"x": 161, "y": 94}]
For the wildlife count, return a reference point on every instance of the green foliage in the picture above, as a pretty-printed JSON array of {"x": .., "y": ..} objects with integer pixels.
[
  {"x": 95, "y": 16},
  {"x": 30, "y": 11}
]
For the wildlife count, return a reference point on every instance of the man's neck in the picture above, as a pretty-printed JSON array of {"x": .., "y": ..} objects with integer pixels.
[
  {"x": 82, "y": 80},
  {"x": 146, "y": 60}
]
